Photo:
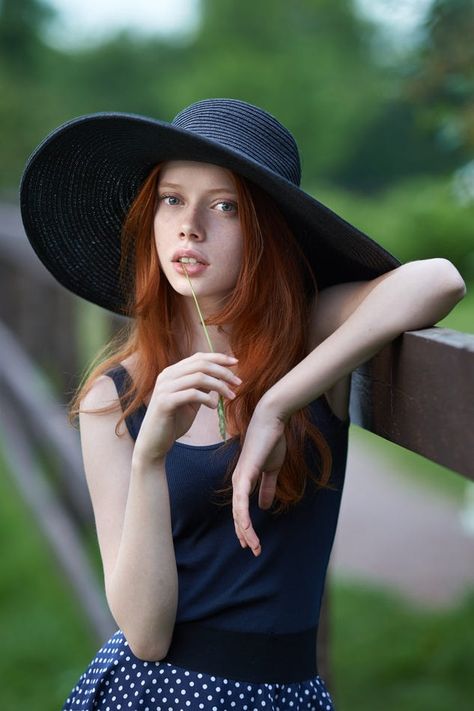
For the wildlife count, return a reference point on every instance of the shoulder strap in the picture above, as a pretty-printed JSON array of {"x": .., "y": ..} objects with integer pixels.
[{"x": 122, "y": 379}]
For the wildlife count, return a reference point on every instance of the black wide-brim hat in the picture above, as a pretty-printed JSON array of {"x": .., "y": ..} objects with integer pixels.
[{"x": 81, "y": 180}]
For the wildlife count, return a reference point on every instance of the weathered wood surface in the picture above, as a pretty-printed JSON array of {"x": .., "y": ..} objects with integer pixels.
[
  {"x": 418, "y": 392},
  {"x": 26, "y": 390},
  {"x": 15, "y": 247},
  {"x": 40, "y": 312},
  {"x": 52, "y": 519}
]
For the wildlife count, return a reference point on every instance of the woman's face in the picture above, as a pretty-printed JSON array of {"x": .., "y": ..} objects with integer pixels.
[{"x": 197, "y": 212}]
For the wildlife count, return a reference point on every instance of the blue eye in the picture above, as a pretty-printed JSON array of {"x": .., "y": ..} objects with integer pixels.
[
  {"x": 227, "y": 206},
  {"x": 163, "y": 198}
]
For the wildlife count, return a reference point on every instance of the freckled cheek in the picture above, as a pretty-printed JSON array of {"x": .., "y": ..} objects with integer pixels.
[
  {"x": 159, "y": 239},
  {"x": 238, "y": 248}
]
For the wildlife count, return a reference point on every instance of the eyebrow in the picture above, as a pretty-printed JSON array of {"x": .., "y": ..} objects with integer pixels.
[{"x": 176, "y": 186}]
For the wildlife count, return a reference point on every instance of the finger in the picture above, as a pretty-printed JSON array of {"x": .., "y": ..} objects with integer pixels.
[
  {"x": 242, "y": 519},
  {"x": 204, "y": 368},
  {"x": 221, "y": 357},
  {"x": 192, "y": 395},
  {"x": 239, "y": 536},
  {"x": 267, "y": 490},
  {"x": 206, "y": 382},
  {"x": 217, "y": 361}
]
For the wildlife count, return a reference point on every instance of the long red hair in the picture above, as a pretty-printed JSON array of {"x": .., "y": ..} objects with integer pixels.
[{"x": 267, "y": 312}]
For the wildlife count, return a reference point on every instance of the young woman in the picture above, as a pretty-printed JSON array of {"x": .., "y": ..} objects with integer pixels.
[{"x": 215, "y": 528}]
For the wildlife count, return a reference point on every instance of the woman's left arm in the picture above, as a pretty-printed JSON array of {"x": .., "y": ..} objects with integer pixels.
[{"x": 413, "y": 296}]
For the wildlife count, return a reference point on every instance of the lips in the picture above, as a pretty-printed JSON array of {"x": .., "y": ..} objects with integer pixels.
[
  {"x": 192, "y": 269},
  {"x": 189, "y": 253}
]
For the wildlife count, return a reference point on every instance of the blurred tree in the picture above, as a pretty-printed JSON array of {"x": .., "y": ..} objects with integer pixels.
[
  {"x": 308, "y": 62},
  {"x": 442, "y": 81},
  {"x": 26, "y": 107},
  {"x": 394, "y": 146},
  {"x": 21, "y": 24}
]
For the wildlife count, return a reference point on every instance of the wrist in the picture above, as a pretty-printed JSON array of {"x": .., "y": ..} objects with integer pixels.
[{"x": 270, "y": 406}]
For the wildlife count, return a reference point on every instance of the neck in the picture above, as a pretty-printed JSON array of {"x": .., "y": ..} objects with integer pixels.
[{"x": 219, "y": 336}]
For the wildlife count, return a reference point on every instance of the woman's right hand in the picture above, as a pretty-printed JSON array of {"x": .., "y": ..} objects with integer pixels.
[{"x": 179, "y": 391}]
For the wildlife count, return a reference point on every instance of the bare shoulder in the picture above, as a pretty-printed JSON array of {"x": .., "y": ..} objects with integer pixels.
[
  {"x": 97, "y": 428},
  {"x": 101, "y": 394},
  {"x": 330, "y": 308},
  {"x": 103, "y": 390}
]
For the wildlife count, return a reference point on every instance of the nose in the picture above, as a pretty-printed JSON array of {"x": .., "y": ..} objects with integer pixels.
[{"x": 191, "y": 225}]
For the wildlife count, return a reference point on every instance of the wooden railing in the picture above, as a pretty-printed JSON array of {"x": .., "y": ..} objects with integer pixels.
[{"x": 417, "y": 392}]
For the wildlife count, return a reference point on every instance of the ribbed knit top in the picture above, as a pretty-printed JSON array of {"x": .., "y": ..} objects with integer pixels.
[{"x": 224, "y": 585}]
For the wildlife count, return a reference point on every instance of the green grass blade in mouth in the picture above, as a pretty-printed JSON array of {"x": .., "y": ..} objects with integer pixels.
[{"x": 220, "y": 404}]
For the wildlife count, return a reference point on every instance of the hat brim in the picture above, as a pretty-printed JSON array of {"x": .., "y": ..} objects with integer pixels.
[{"x": 81, "y": 180}]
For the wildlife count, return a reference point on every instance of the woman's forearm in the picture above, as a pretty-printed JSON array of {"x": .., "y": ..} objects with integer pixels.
[
  {"x": 416, "y": 296},
  {"x": 143, "y": 589}
]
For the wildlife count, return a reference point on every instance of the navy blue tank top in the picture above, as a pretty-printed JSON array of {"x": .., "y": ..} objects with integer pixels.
[{"x": 224, "y": 585}]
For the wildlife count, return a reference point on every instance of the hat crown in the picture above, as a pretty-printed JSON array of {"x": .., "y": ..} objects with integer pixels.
[{"x": 246, "y": 129}]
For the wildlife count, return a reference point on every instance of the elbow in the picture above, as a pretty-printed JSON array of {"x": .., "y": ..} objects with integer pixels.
[
  {"x": 146, "y": 652},
  {"x": 451, "y": 279},
  {"x": 148, "y": 640}
]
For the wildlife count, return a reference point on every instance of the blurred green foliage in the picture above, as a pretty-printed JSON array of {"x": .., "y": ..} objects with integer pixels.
[
  {"x": 373, "y": 134},
  {"x": 442, "y": 78},
  {"x": 391, "y": 655},
  {"x": 381, "y": 143},
  {"x": 417, "y": 218},
  {"x": 46, "y": 643}
]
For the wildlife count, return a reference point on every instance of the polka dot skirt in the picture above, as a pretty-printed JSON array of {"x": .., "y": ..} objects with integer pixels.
[{"x": 116, "y": 680}]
